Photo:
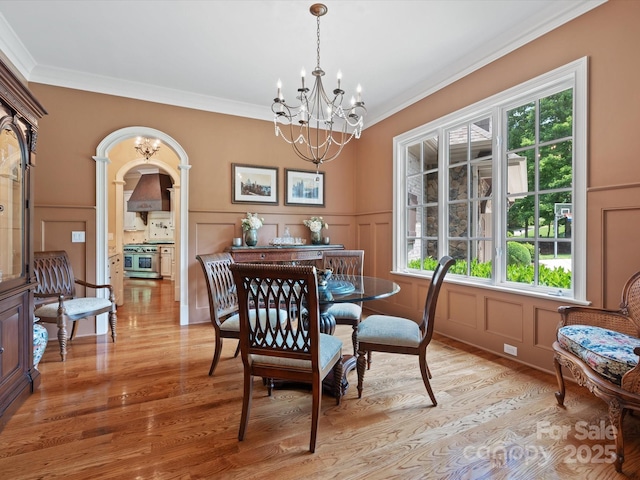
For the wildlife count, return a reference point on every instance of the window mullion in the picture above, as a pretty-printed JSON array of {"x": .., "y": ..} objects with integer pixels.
[{"x": 443, "y": 193}]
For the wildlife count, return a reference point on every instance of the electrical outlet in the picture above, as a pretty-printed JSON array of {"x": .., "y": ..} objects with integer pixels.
[
  {"x": 77, "y": 237},
  {"x": 510, "y": 349}
]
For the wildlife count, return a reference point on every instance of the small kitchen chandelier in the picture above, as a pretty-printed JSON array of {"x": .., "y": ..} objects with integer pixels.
[
  {"x": 318, "y": 127},
  {"x": 145, "y": 148}
]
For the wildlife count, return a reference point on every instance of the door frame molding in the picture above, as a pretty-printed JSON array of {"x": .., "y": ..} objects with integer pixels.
[{"x": 102, "y": 210}]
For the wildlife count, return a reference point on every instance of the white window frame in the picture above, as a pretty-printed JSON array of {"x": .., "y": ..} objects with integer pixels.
[{"x": 572, "y": 75}]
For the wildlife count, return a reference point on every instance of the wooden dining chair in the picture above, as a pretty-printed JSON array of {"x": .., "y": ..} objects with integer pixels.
[
  {"x": 292, "y": 350},
  {"x": 223, "y": 300},
  {"x": 386, "y": 333},
  {"x": 346, "y": 263}
]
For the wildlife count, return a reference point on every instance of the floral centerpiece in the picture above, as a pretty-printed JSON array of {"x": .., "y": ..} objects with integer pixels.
[
  {"x": 316, "y": 224},
  {"x": 251, "y": 222},
  {"x": 250, "y": 225}
]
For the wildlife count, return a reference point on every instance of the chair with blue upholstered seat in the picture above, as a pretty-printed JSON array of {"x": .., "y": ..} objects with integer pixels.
[
  {"x": 601, "y": 348},
  {"x": 293, "y": 349},
  {"x": 386, "y": 333},
  {"x": 56, "y": 300},
  {"x": 345, "y": 264},
  {"x": 223, "y": 300}
]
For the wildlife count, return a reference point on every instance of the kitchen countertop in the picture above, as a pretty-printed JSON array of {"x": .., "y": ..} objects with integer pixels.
[{"x": 160, "y": 242}]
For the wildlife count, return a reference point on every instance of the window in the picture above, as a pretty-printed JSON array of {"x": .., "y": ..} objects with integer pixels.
[{"x": 500, "y": 186}]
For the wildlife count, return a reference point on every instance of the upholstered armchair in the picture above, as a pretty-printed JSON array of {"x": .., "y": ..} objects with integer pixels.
[
  {"x": 56, "y": 300},
  {"x": 601, "y": 349}
]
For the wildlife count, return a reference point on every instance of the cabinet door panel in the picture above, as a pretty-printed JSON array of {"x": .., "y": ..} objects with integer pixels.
[{"x": 9, "y": 337}]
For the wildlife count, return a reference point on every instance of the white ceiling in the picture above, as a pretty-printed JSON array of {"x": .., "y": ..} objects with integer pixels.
[{"x": 226, "y": 56}]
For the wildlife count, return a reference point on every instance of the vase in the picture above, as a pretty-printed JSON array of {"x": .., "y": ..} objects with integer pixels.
[
  {"x": 251, "y": 237},
  {"x": 316, "y": 238},
  {"x": 40, "y": 338}
]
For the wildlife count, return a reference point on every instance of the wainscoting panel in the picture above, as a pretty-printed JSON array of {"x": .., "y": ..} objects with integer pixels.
[
  {"x": 621, "y": 252},
  {"x": 383, "y": 243},
  {"x": 207, "y": 237},
  {"x": 613, "y": 222},
  {"x": 407, "y": 299},
  {"x": 461, "y": 307},
  {"x": 545, "y": 323},
  {"x": 504, "y": 319},
  {"x": 366, "y": 242}
]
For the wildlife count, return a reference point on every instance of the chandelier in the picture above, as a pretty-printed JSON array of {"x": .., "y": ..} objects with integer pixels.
[
  {"x": 318, "y": 126},
  {"x": 145, "y": 148}
]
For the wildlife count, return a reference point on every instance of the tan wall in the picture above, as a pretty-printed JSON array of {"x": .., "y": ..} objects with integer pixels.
[
  {"x": 609, "y": 36},
  {"x": 359, "y": 190},
  {"x": 65, "y": 177}
]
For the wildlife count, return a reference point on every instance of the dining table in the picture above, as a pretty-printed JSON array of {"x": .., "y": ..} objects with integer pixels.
[{"x": 348, "y": 289}]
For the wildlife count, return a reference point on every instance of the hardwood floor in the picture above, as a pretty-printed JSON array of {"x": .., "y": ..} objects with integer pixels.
[{"x": 145, "y": 408}]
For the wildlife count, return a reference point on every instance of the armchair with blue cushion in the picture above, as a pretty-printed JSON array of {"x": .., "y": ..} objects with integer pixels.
[
  {"x": 600, "y": 348},
  {"x": 56, "y": 300}
]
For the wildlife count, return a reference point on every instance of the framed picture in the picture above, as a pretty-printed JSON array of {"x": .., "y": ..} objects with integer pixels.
[
  {"x": 254, "y": 184},
  {"x": 304, "y": 188}
]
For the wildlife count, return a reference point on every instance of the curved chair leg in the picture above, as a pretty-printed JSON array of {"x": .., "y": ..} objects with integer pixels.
[
  {"x": 561, "y": 390},
  {"x": 237, "y": 350},
  {"x": 361, "y": 366},
  {"x": 424, "y": 369},
  {"x": 246, "y": 404},
  {"x": 216, "y": 355}
]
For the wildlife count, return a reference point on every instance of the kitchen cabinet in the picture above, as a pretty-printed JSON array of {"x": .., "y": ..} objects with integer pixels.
[
  {"x": 115, "y": 276},
  {"x": 167, "y": 262},
  {"x": 19, "y": 115}
]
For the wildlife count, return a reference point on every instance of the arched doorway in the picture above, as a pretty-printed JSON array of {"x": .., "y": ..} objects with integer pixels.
[{"x": 182, "y": 197}]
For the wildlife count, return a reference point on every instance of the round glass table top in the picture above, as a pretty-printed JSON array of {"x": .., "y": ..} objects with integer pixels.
[{"x": 356, "y": 288}]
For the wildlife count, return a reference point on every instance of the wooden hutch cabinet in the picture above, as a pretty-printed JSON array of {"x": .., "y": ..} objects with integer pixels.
[{"x": 19, "y": 115}]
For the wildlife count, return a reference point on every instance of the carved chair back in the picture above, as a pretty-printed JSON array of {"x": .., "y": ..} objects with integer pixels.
[{"x": 221, "y": 288}]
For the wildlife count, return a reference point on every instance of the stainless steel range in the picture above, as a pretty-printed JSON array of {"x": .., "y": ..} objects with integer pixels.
[{"x": 141, "y": 261}]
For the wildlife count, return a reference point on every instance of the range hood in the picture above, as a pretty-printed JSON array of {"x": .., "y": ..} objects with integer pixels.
[{"x": 151, "y": 194}]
